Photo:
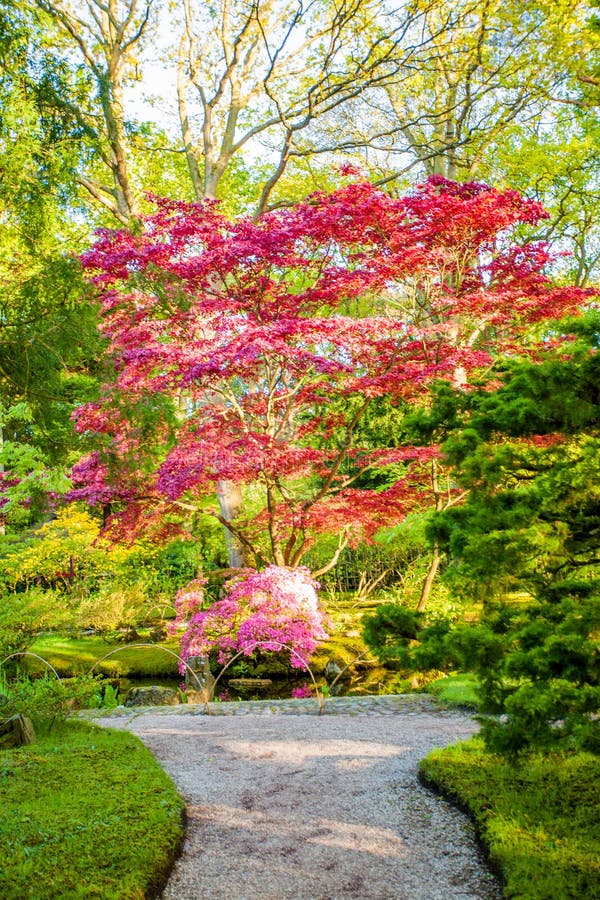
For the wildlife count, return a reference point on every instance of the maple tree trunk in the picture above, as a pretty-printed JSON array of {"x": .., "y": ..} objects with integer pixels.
[
  {"x": 229, "y": 494},
  {"x": 230, "y": 505}
]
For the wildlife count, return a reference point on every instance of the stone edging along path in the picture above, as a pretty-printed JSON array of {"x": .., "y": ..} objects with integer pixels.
[
  {"x": 284, "y": 804},
  {"x": 384, "y": 704}
]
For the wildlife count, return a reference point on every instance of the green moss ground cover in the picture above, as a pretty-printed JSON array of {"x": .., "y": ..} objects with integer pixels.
[
  {"x": 76, "y": 655},
  {"x": 86, "y": 813},
  {"x": 457, "y": 690},
  {"x": 539, "y": 818}
]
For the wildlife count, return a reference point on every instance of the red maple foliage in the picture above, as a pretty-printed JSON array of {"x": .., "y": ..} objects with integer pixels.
[{"x": 248, "y": 351}]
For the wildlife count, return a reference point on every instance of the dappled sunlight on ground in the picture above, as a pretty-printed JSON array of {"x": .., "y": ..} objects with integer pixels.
[
  {"x": 290, "y": 807},
  {"x": 327, "y": 832}
]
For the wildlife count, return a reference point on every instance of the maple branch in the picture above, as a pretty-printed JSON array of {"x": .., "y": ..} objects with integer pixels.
[
  {"x": 340, "y": 457},
  {"x": 342, "y": 544},
  {"x": 271, "y": 507},
  {"x": 241, "y": 536},
  {"x": 290, "y": 396},
  {"x": 295, "y": 536},
  {"x": 228, "y": 394}
]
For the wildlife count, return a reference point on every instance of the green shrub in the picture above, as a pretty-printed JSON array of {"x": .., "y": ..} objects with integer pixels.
[
  {"x": 113, "y": 605},
  {"x": 47, "y": 698},
  {"x": 536, "y": 661},
  {"x": 456, "y": 690},
  {"x": 21, "y": 618}
]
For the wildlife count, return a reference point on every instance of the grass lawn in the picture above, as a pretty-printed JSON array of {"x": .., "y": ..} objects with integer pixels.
[
  {"x": 86, "y": 813},
  {"x": 76, "y": 655},
  {"x": 539, "y": 819}
]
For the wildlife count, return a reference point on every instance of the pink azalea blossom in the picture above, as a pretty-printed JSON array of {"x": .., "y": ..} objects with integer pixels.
[
  {"x": 302, "y": 693},
  {"x": 275, "y": 610}
]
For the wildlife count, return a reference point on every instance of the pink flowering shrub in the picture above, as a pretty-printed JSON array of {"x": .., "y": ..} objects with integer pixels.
[{"x": 260, "y": 610}]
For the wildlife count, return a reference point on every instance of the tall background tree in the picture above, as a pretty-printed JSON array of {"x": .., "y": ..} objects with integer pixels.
[{"x": 48, "y": 337}]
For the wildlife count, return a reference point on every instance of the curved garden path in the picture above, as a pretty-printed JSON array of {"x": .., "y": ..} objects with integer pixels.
[{"x": 284, "y": 804}]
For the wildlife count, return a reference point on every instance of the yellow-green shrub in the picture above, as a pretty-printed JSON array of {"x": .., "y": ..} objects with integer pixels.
[{"x": 66, "y": 551}]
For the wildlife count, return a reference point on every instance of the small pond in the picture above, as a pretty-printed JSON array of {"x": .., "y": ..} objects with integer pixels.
[{"x": 233, "y": 688}]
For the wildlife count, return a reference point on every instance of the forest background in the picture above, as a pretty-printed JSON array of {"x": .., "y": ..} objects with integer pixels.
[{"x": 260, "y": 105}]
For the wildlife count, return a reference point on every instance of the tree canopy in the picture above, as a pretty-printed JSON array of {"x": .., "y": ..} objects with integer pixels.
[{"x": 237, "y": 356}]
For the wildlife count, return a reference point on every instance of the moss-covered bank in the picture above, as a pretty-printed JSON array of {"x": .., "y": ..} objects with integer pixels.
[
  {"x": 539, "y": 819},
  {"x": 86, "y": 812}
]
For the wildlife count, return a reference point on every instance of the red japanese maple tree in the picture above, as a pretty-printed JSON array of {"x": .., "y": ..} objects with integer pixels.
[{"x": 247, "y": 352}]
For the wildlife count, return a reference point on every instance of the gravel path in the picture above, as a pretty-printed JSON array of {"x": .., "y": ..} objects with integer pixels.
[{"x": 307, "y": 807}]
